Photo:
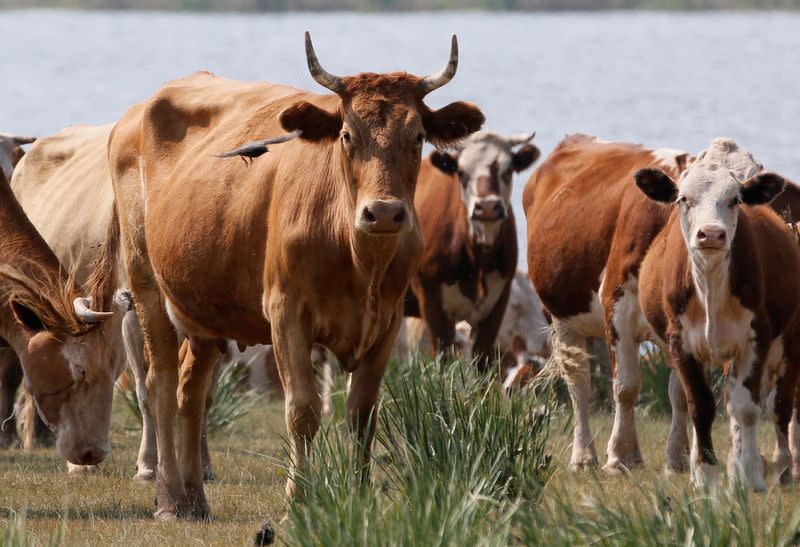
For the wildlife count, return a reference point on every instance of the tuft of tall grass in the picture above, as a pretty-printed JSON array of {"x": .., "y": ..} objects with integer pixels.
[
  {"x": 230, "y": 401},
  {"x": 456, "y": 460},
  {"x": 14, "y": 533},
  {"x": 713, "y": 517}
]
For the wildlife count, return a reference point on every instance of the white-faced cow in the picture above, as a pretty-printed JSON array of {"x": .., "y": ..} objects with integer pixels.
[
  {"x": 470, "y": 258},
  {"x": 314, "y": 242},
  {"x": 714, "y": 288}
]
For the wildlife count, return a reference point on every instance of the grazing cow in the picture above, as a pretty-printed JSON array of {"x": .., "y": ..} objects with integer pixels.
[
  {"x": 588, "y": 230},
  {"x": 712, "y": 290},
  {"x": 10, "y": 372},
  {"x": 463, "y": 203},
  {"x": 49, "y": 324},
  {"x": 64, "y": 186},
  {"x": 313, "y": 243}
]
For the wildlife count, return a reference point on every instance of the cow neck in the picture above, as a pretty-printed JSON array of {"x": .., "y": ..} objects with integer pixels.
[
  {"x": 371, "y": 257},
  {"x": 711, "y": 279}
]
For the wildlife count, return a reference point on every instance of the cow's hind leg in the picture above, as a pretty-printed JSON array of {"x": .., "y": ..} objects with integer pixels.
[
  {"x": 205, "y": 454},
  {"x": 161, "y": 350},
  {"x": 569, "y": 354},
  {"x": 678, "y": 440},
  {"x": 147, "y": 459},
  {"x": 196, "y": 372},
  {"x": 623, "y": 447},
  {"x": 10, "y": 379}
]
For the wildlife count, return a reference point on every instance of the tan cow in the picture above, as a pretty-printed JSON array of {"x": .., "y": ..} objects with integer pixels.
[
  {"x": 588, "y": 230},
  {"x": 463, "y": 202},
  {"x": 46, "y": 320},
  {"x": 713, "y": 288},
  {"x": 312, "y": 243}
]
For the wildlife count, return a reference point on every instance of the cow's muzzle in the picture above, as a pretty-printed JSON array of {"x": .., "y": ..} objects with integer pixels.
[
  {"x": 489, "y": 209},
  {"x": 383, "y": 217},
  {"x": 711, "y": 238}
]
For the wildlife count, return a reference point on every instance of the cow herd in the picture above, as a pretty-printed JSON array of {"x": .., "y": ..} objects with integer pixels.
[{"x": 176, "y": 236}]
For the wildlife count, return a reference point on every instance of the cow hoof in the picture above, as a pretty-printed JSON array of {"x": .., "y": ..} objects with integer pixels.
[
  {"x": 615, "y": 467},
  {"x": 583, "y": 459},
  {"x": 73, "y": 469},
  {"x": 167, "y": 515},
  {"x": 209, "y": 475},
  {"x": 265, "y": 536},
  {"x": 705, "y": 475},
  {"x": 145, "y": 475}
]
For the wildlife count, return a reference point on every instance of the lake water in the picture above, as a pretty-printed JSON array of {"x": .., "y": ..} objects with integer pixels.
[{"x": 674, "y": 80}]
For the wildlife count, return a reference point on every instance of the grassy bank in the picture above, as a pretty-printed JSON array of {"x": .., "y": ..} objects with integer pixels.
[{"x": 456, "y": 463}]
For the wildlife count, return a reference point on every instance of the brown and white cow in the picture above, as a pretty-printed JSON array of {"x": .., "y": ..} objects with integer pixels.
[
  {"x": 713, "y": 288},
  {"x": 48, "y": 323},
  {"x": 470, "y": 258},
  {"x": 313, "y": 243},
  {"x": 589, "y": 228}
]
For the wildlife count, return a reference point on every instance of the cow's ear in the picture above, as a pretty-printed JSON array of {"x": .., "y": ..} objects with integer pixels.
[
  {"x": 762, "y": 188},
  {"x": 27, "y": 317},
  {"x": 444, "y": 162},
  {"x": 452, "y": 123},
  {"x": 525, "y": 156},
  {"x": 656, "y": 185},
  {"x": 315, "y": 123}
]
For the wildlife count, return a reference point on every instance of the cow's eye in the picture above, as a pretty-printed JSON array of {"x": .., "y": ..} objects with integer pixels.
[
  {"x": 683, "y": 200},
  {"x": 420, "y": 139},
  {"x": 736, "y": 201},
  {"x": 346, "y": 138}
]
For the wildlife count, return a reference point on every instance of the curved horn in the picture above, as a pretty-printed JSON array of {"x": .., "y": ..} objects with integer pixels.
[
  {"x": 84, "y": 311},
  {"x": 520, "y": 139},
  {"x": 435, "y": 81},
  {"x": 322, "y": 76}
]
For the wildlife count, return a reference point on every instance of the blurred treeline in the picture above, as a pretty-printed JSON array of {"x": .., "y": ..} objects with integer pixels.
[{"x": 402, "y": 5}]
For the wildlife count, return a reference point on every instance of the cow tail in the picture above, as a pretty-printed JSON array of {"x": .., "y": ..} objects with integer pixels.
[{"x": 102, "y": 282}]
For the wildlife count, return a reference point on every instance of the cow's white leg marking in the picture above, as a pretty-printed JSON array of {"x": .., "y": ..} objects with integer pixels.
[
  {"x": 678, "y": 441},
  {"x": 623, "y": 446},
  {"x": 570, "y": 355},
  {"x": 794, "y": 443}
]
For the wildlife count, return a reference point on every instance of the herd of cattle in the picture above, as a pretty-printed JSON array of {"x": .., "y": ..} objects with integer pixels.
[{"x": 149, "y": 242}]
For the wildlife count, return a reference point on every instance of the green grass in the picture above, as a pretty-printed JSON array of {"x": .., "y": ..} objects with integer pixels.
[{"x": 455, "y": 463}]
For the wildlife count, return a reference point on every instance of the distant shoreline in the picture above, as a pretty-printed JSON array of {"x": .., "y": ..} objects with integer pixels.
[{"x": 407, "y": 6}]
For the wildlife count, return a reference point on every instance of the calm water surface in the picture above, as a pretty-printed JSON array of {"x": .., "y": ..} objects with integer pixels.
[{"x": 674, "y": 80}]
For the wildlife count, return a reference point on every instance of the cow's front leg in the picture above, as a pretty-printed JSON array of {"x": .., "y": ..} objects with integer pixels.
[
  {"x": 10, "y": 379},
  {"x": 365, "y": 383},
  {"x": 486, "y": 331},
  {"x": 441, "y": 327},
  {"x": 196, "y": 371},
  {"x": 743, "y": 391},
  {"x": 702, "y": 406},
  {"x": 678, "y": 440},
  {"x": 303, "y": 406}
]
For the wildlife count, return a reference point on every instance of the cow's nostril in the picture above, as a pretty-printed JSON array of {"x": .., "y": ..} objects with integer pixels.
[
  {"x": 399, "y": 217},
  {"x": 368, "y": 216},
  {"x": 701, "y": 235}
]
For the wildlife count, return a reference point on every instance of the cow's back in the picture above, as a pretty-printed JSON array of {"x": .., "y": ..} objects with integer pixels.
[
  {"x": 64, "y": 185},
  {"x": 207, "y": 217},
  {"x": 577, "y": 203}
]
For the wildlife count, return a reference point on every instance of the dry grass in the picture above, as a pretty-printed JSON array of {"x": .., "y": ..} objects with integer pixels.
[{"x": 110, "y": 508}]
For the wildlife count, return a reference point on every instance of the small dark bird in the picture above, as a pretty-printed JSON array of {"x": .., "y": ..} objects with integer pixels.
[{"x": 248, "y": 152}]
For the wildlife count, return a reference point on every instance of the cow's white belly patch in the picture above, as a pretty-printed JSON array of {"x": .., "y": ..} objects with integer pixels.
[
  {"x": 458, "y": 307},
  {"x": 731, "y": 335}
]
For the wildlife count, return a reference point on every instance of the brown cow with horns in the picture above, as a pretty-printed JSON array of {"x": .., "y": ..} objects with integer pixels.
[{"x": 315, "y": 243}]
